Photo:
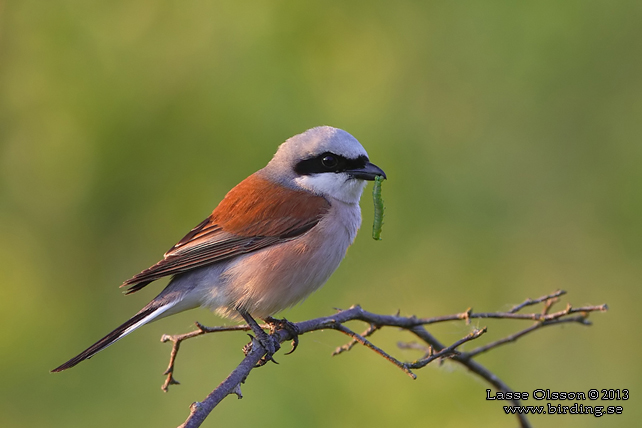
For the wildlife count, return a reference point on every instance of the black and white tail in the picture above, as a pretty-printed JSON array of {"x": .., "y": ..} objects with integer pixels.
[{"x": 145, "y": 316}]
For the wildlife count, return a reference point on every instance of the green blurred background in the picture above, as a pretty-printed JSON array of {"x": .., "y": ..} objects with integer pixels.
[{"x": 510, "y": 132}]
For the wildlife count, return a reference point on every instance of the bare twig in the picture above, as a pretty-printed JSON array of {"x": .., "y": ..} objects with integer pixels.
[
  {"x": 433, "y": 348},
  {"x": 509, "y": 315},
  {"x": 360, "y": 339},
  {"x": 530, "y": 302},
  {"x": 513, "y": 337},
  {"x": 348, "y": 346},
  {"x": 445, "y": 352},
  {"x": 178, "y": 338}
]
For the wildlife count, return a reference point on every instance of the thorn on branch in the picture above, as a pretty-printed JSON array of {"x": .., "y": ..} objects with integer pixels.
[
  {"x": 466, "y": 315},
  {"x": 548, "y": 304},
  {"x": 237, "y": 391}
]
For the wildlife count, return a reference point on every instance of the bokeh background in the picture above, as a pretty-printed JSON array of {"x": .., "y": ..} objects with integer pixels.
[{"x": 510, "y": 132}]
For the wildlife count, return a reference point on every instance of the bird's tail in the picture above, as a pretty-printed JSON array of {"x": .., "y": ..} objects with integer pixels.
[{"x": 146, "y": 315}]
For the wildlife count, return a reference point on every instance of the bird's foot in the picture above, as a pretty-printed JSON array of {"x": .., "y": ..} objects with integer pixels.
[
  {"x": 269, "y": 342},
  {"x": 277, "y": 324}
]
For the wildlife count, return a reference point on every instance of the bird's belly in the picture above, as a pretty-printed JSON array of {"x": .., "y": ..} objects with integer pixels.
[{"x": 275, "y": 278}]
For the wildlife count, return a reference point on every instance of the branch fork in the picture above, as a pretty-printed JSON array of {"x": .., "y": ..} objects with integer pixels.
[{"x": 433, "y": 349}]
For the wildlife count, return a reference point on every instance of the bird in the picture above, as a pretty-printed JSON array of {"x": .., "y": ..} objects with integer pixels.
[{"x": 275, "y": 238}]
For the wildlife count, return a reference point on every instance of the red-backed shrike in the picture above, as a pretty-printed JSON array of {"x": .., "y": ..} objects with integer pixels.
[{"x": 275, "y": 238}]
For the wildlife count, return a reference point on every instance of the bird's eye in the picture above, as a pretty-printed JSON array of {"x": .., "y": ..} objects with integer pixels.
[{"x": 329, "y": 161}]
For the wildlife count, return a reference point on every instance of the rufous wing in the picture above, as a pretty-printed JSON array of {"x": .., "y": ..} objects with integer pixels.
[{"x": 255, "y": 214}]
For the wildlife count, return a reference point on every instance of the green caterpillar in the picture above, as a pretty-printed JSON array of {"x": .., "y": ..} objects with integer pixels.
[{"x": 378, "y": 209}]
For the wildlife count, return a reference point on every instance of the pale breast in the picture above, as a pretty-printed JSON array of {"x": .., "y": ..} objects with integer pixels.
[{"x": 270, "y": 280}]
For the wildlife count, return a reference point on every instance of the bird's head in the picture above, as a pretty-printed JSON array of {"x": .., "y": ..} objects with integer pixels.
[{"x": 325, "y": 161}]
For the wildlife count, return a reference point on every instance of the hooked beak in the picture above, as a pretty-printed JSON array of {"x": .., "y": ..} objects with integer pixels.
[{"x": 368, "y": 172}]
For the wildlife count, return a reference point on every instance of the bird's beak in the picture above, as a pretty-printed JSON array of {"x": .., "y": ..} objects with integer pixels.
[{"x": 368, "y": 172}]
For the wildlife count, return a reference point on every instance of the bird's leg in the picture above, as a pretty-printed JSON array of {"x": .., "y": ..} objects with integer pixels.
[
  {"x": 286, "y": 325},
  {"x": 268, "y": 342}
]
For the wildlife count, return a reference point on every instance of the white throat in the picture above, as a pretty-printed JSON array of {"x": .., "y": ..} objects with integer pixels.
[{"x": 335, "y": 185}]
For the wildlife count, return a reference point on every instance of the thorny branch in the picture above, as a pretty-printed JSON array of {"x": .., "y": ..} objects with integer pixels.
[{"x": 432, "y": 347}]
